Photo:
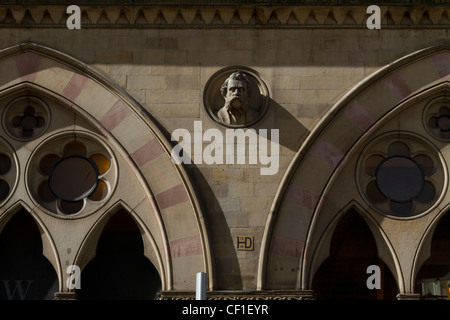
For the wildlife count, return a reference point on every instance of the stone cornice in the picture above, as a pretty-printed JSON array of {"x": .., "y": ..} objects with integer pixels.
[{"x": 250, "y": 16}]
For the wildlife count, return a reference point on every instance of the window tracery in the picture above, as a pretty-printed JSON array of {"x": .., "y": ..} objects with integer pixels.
[{"x": 400, "y": 176}]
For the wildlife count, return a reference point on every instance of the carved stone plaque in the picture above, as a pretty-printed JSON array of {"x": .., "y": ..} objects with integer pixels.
[{"x": 236, "y": 97}]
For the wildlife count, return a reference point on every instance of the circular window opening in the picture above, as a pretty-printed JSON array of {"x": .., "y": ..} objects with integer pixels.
[
  {"x": 400, "y": 179},
  {"x": 73, "y": 178}
]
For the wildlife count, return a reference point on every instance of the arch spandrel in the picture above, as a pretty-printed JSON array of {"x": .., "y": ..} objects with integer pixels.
[
  {"x": 300, "y": 199},
  {"x": 146, "y": 150}
]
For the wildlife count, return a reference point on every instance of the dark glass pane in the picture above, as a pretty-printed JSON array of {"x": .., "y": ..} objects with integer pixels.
[
  {"x": 27, "y": 133},
  {"x": 71, "y": 207},
  {"x": 373, "y": 193},
  {"x": 428, "y": 193},
  {"x": 29, "y": 122},
  {"x": 102, "y": 163},
  {"x": 400, "y": 179},
  {"x": 5, "y": 164},
  {"x": 28, "y": 110},
  {"x": 398, "y": 149},
  {"x": 47, "y": 162},
  {"x": 40, "y": 122},
  {"x": 444, "y": 111},
  {"x": 75, "y": 148},
  {"x": 73, "y": 178},
  {"x": 425, "y": 163},
  {"x": 100, "y": 192},
  {"x": 16, "y": 121},
  {"x": 443, "y": 122},
  {"x": 45, "y": 193},
  {"x": 402, "y": 209},
  {"x": 372, "y": 163}
]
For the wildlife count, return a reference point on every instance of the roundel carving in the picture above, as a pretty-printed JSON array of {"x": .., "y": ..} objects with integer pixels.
[
  {"x": 436, "y": 118},
  {"x": 26, "y": 118},
  {"x": 400, "y": 175},
  {"x": 71, "y": 174},
  {"x": 236, "y": 97}
]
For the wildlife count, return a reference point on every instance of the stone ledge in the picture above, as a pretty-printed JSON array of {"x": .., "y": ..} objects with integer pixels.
[
  {"x": 65, "y": 296},
  {"x": 241, "y": 295},
  {"x": 242, "y": 16}
]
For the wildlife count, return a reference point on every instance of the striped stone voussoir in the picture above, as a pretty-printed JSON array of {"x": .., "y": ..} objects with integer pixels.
[
  {"x": 361, "y": 110},
  {"x": 113, "y": 116}
]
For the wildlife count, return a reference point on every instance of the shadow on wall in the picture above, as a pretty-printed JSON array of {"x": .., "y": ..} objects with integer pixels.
[
  {"x": 292, "y": 132},
  {"x": 223, "y": 211}
]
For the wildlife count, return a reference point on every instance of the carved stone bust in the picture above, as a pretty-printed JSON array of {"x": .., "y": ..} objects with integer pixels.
[
  {"x": 242, "y": 98},
  {"x": 235, "y": 92}
]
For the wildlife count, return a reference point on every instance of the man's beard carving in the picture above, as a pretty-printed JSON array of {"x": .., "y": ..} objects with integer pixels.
[{"x": 237, "y": 106}]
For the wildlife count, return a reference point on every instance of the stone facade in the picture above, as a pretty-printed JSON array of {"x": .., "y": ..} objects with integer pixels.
[{"x": 132, "y": 75}]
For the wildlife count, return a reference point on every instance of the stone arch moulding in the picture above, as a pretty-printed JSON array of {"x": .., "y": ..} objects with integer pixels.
[
  {"x": 109, "y": 108},
  {"x": 384, "y": 247},
  {"x": 424, "y": 250},
  {"x": 87, "y": 250},
  {"x": 302, "y": 193},
  {"x": 48, "y": 246}
]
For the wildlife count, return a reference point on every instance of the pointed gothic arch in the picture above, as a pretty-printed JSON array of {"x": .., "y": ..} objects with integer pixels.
[
  {"x": 146, "y": 151},
  {"x": 27, "y": 269},
  {"x": 291, "y": 231},
  {"x": 120, "y": 253},
  {"x": 383, "y": 247},
  {"x": 429, "y": 250},
  {"x": 352, "y": 248}
]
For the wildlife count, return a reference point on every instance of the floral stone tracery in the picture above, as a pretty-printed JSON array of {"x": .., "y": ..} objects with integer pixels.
[{"x": 401, "y": 178}]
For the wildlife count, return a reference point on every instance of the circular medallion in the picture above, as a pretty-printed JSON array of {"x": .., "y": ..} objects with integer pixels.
[
  {"x": 236, "y": 97},
  {"x": 26, "y": 118},
  {"x": 436, "y": 118}
]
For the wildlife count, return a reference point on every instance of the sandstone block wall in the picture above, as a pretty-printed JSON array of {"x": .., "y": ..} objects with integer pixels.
[{"x": 307, "y": 70}]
